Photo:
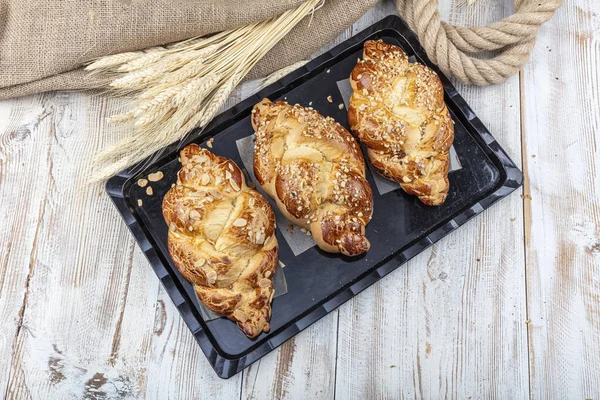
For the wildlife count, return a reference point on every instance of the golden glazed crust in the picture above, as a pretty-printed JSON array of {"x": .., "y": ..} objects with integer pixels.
[
  {"x": 397, "y": 110},
  {"x": 222, "y": 238},
  {"x": 315, "y": 171}
]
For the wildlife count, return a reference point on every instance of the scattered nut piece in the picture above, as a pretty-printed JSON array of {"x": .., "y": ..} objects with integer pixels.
[
  {"x": 329, "y": 99},
  {"x": 210, "y": 142},
  {"x": 140, "y": 202},
  {"x": 155, "y": 177},
  {"x": 205, "y": 179},
  {"x": 142, "y": 182},
  {"x": 149, "y": 191}
]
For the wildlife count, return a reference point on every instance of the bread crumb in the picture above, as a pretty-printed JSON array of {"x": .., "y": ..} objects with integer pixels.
[
  {"x": 527, "y": 321},
  {"x": 513, "y": 219},
  {"x": 149, "y": 191},
  {"x": 210, "y": 142},
  {"x": 155, "y": 177},
  {"x": 140, "y": 202},
  {"x": 526, "y": 197},
  {"x": 329, "y": 99},
  {"x": 142, "y": 182},
  {"x": 533, "y": 156},
  {"x": 341, "y": 106},
  {"x": 392, "y": 366}
]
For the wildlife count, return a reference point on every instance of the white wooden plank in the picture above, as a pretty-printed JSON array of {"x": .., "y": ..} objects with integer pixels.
[
  {"x": 23, "y": 149},
  {"x": 451, "y": 323},
  {"x": 93, "y": 325},
  {"x": 561, "y": 122}
]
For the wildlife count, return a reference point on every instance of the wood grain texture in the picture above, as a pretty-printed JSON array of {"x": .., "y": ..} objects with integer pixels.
[
  {"x": 561, "y": 118},
  {"x": 94, "y": 322},
  {"x": 84, "y": 316},
  {"x": 451, "y": 323}
]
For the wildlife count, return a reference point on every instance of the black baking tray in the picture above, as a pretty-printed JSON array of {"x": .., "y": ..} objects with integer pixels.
[{"x": 318, "y": 282}]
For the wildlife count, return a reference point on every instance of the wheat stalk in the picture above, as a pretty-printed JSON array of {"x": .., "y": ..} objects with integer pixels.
[
  {"x": 277, "y": 75},
  {"x": 182, "y": 86}
]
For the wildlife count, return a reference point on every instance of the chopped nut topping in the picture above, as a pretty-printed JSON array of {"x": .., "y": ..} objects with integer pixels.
[
  {"x": 263, "y": 283},
  {"x": 234, "y": 185},
  {"x": 240, "y": 316},
  {"x": 240, "y": 222},
  {"x": 194, "y": 214},
  {"x": 205, "y": 179},
  {"x": 211, "y": 275},
  {"x": 200, "y": 262}
]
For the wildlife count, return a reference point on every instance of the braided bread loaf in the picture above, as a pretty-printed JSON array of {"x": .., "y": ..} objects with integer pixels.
[
  {"x": 397, "y": 110},
  {"x": 315, "y": 171},
  {"x": 222, "y": 238}
]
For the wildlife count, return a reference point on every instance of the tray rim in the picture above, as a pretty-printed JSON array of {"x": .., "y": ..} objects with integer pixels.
[{"x": 227, "y": 366}]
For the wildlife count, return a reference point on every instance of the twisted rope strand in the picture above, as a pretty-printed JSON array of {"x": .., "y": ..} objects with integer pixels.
[{"x": 452, "y": 47}]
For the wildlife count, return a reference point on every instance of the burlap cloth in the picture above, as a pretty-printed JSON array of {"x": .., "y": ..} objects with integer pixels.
[{"x": 44, "y": 43}]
